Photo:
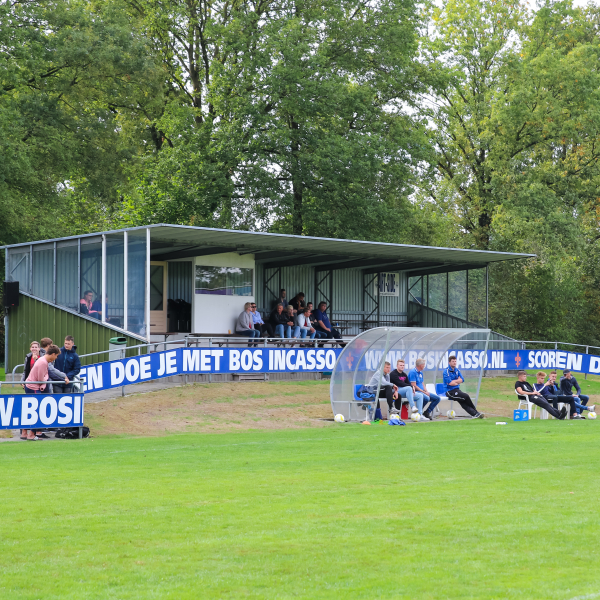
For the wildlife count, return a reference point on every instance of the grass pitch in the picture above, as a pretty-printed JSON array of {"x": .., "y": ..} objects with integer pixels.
[{"x": 446, "y": 510}]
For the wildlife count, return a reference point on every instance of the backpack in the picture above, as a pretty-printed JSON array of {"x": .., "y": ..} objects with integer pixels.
[
  {"x": 364, "y": 394},
  {"x": 72, "y": 433}
]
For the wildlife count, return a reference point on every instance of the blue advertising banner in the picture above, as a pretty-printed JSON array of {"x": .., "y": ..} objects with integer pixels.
[
  {"x": 38, "y": 411},
  {"x": 198, "y": 361},
  {"x": 193, "y": 361}
]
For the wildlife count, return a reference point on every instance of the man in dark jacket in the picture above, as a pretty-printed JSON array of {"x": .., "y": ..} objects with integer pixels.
[
  {"x": 282, "y": 324},
  {"x": 567, "y": 383},
  {"x": 67, "y": 362}
]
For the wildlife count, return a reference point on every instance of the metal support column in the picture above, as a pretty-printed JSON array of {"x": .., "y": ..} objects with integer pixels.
[
  {"x": 78, "y": 272},
  {"x": 54, "y": 277},
  {"x": 103, "y": 267},
  {"x": 30, "y": 290},
  {"x": 125, "y": 278},
  {"x": 487, "y": 296},
  {"x": 147, "y": 309}
]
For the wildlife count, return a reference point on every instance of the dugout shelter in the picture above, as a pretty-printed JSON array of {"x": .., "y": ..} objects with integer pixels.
[
  {"x": 162, "y": 282},
  {"x": 367, "y": 353}
]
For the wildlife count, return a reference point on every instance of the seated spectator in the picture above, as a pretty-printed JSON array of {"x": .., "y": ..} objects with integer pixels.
[
  {"x": 550, "y": 392},
  {"x": 303, "y": 322},
  {"x": 265, "y": 328},
  {"x": 86, "y": 305},
  {"x": 579, "y": 406},
  {"x": 400, "y": 379},
  {"x": 292, "y": 317},
  {"x": 313, "y": 321},
  {"x": 567, "y": 383},
  {"x": 415, "y": 376},
  {"x": 298, "y": 302},
  {"x": 452, "y": 380},
  {"x": 387, "y": 389},
  {"x": 282, "y": 326},
  {"x": 244, "y": 325},
  {"x": 38, "y": 373},
  {"x": 526, "y": 392},
  {"x": 67, "y": 361},
  {"x": 323, "y": 323}
]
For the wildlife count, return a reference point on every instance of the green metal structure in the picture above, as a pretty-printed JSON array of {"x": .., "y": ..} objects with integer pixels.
[{"x": 34, "y": 319}]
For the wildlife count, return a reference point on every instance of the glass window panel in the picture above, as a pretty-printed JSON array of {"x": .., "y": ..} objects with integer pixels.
[
  {"x": 457, "y": 294},
  {"x": 438, "y": 292},
  {"x": 115, "y": 292},
  {"x": 136, "y": 282},
  {"x": 477, "y": 303},
  {"x": 43, "y": 271},
  {"x": 18, "y": 267},
  {"x": 91, "y": 277},
  {"x": 67, "y": 287},
  {"x": 224, "y": 281},
  {"x": 157, "y": 287}
]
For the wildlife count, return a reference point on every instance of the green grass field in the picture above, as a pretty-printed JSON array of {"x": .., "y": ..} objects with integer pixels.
[{"x": 447, "y": 510}]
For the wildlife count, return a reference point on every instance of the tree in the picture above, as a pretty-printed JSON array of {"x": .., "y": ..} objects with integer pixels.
[
  {"x": 287, "y": 115},
  {"x": 515, "y": 123},
  {"x": 66, "y": 71}
]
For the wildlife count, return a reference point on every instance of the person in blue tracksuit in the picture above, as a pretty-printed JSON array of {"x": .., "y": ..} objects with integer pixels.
[
  {"x": 452, "y": 380},
  {"x": 67, "y": 361}
]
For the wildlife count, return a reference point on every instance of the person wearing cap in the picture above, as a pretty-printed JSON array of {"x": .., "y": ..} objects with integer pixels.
[
  {"x": 452, "y": 380},
  {"x": 567, "y": 383},
  {"x": 526, "y": 392}
]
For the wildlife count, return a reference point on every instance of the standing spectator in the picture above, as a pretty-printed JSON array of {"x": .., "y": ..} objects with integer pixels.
[
  {"x": 86, "y": 305},
  {"x": 298, "y": 302},
  {"x": 282, "y": 299},
  {"x": 53, "y": 373},
  {"x": 303, "y": 322},
  {"x": 567, "y": 383},
  {"x": 551, "y": 393},
  {"x": 452, "y": 380},
  {"x": 265, "y": 328},
  {"x": 323, "y": 323},
  {"x": 244, "y": 325},
  {"x": 281, "y": 322},
  {"x": 525, "y": 391},
  {"x": 415, "y": 376},
  {"x": 68, "y": 362},
  {"x": 34, "y": 354},
  {"x": 30, "y": 359},
  {"x": 39, "y": 372}
]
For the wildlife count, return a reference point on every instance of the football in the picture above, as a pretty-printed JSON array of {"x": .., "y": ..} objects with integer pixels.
[
  {"x": 339, "y": 418},
  {"x": 415, "y": 417},
  {"x": 591, "y": 415},
  {"x": 451, "y": 414}
]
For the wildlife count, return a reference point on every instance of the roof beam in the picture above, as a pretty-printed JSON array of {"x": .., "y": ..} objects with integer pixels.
[
  {"x": 448, "y": 268},
  {"x": 401, "y": 266},
  {"x": 191, "y": 252}
]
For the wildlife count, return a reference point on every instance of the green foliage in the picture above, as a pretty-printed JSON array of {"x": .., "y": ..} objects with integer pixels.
[
  {"x": 291, "y": 118},
  {"x": 516, "y": 119}
]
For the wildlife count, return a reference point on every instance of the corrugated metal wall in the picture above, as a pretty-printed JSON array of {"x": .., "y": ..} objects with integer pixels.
[
  {"x": 179, "y": 276},
  {"x": 34, "y": 319},
  {"x": 347, "y": 300}
]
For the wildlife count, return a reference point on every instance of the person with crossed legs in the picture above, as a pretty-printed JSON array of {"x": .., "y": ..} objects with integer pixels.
[
  {"x": 387, "y": 389},
  {"x": 552, "y": 393},
  {"x": 452, "y": 380},
  {"x": 524, "y": 390},
  {"x": 400, "y": 379}
]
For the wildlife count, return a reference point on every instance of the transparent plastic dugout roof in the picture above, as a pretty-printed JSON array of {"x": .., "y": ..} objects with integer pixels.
[{"x": 369, "y": 351}]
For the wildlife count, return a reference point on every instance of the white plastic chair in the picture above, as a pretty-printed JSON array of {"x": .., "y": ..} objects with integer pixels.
[{"x": 524, "y": 403}]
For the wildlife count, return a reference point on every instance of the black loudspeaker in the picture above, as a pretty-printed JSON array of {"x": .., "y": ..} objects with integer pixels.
[{"x": 11, "y": 294}]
